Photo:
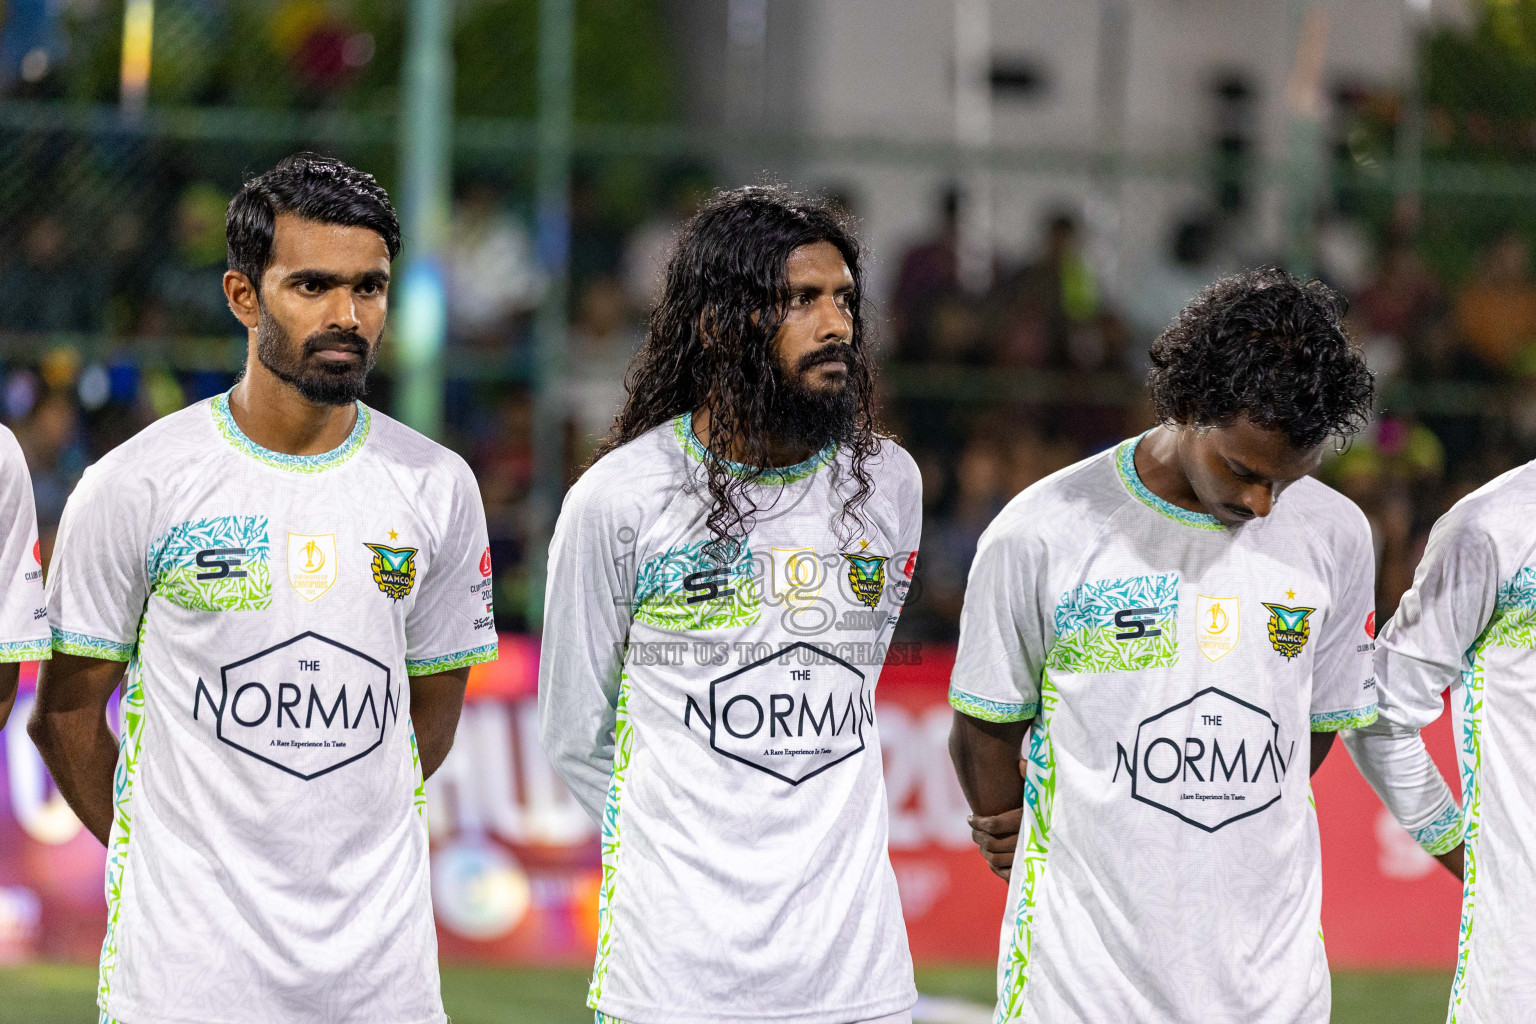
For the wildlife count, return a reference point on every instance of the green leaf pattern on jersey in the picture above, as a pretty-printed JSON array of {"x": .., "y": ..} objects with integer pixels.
[
  {"x": 84, "y": 645},
  {"x": 1085, "y": 626},
  {"x": 990, "y": 710},
  {"x": 231, "y": 432},
  {"x": 173, "y": 568},
  {"x": 449, "y": 662},
  {"x": 26, "y": 650},
  {"x": 623, "y": 743},
  {"x": 129, "y": 750},
  {"x": 419, "y": 796},
  {"x": 661, "y": 599},
  {"x": 682, "y": 429},
  {"x": 1513, "y": 625},
  {"x": 1039, "y": 800},
  {"x": 1125, "y": 465}
]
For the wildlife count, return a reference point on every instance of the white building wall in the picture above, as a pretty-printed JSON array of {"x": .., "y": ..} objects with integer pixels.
[{"x": 883, "y": 68}]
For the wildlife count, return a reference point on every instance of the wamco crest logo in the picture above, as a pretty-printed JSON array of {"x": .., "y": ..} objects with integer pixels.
[
  {"x": 308, "y": 705},
  {"x": 791, "y": 715},
  {"x": 1208, "y": 761}
]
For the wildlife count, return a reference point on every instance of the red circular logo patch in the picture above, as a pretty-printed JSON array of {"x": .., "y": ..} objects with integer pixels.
[
  {"x": 37, "y": 552},
  {"x": 485, "y": 563},
  {"x": 1370, "y": 625}
]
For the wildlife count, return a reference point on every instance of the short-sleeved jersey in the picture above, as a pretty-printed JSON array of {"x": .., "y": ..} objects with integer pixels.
[
  {"x": 1468, "y": 623},
  {"x": 23, "y": 618},
  {"x": 1169, "y": 869},
  {"x": 268, "y": 855},
  {"x": 715, "y": 712}
]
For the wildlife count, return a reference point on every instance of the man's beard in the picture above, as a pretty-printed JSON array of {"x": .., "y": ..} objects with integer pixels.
[
  {"x": 321, "y": 383},
  {"x": 813, "y": 417}
]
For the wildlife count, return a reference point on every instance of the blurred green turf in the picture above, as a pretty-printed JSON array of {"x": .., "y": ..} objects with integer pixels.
[{"x": 54, "y": 994}]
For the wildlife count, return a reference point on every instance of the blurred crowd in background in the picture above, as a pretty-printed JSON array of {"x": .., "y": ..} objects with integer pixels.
[
  {"x": 1047, "y": 320},
  {"x": 112, "y": 253}
]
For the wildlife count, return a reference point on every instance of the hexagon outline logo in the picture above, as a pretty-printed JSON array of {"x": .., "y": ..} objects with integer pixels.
[
  {"x": 308, "y": 634},
  {"x": 1136, "y": 755},
  {"x": 716, "y": 717}
]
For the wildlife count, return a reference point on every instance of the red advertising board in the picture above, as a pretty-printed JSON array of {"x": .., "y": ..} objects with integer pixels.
[{"x": 515, "y": 860}]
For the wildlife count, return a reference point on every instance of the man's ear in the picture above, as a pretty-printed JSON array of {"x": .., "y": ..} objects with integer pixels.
[
  {"x": 707, "y": 328},
  {"x": 242, "y": 298}
]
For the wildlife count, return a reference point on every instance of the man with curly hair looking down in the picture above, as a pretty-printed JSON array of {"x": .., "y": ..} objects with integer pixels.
[
  {"x": 723, "y": 583},
  {"x": 1172, "y": 623}
]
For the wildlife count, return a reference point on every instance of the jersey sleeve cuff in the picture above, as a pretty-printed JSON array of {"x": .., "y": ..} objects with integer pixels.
[
  {"x": 86, "y": 646},
  {"x": 1443, "y": 834},
  {"x": 990, "y": 710},
  {"x": 1333, "y": 721},
  {"x": 26, "y": 650},
  {"x": 449, "y": 662}
]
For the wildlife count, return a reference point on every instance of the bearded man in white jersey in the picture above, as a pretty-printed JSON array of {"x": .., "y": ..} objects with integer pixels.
[
  {"x": 23, "y": 618},
  {"x": 297, "y": 585},
  {"x": 1180, "y": 624},
  {"x": 723, "y": 583},
  {"x": 1468, "y": 625}
]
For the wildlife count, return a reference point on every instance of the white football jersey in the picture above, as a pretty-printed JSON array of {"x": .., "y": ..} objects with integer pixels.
[
  {"x": 1469, "y": 624},
  {"x": 23, "y": 618},
  {"x": 268, "y": 857},
  {"x": 716, "y": 717},
  {"x": 1168, "y": 870}
]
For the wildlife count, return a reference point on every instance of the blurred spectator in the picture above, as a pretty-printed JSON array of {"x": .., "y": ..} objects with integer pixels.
[
  {"x": 949, "y": 540},
  {"x": 597, "y": 237},
  {"x": 1057, "y": 294},
  {"x": 1193, "y": 260},
  {"x": 492, "y": 275},
  {"x": 51, "y": 440},
  {"x": 503, "y": 463},
  {"x": 926, "y": 278},
  {"x": 187, "y": 290},
  {"x": 602, "y": 340},
  {"x": 1395, "y": 309},
  {"x": 47, "y": 289},
  {"x": 644, "y": 262},
  {"x": 1496, "y": 310}
]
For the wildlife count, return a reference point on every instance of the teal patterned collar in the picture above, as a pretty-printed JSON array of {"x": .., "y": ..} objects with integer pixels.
[
  {"x": 224, "y": 421},
  {"x": 1125, "y": 462},
  {"x": 682, "y": 429}
]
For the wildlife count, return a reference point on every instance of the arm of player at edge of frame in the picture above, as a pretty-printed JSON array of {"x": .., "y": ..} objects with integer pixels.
[
  {"x": 991, "y": 773},
  {"x": 69, "y": 727},
  {"x": 10, "y": 675}
]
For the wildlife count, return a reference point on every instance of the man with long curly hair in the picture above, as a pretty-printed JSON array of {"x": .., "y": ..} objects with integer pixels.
[
  {"x": 723, "y": 582},
  {"x": 1177, "y": 623}
]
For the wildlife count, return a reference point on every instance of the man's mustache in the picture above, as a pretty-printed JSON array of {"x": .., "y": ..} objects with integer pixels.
[
  {"x": 835, "y": 352},
  {"x": 336, "y": 341}
]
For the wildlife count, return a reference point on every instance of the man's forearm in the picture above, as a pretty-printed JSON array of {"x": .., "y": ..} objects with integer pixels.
[
  {"x": 1393, "y": 760},
  {"x": 69, "y": 727},
  {"x": 10, "y": 672},
  {"x": 80, "y": 751},
  {"x": 986, "y": 758},
  {"x": 436, "y": 702}
]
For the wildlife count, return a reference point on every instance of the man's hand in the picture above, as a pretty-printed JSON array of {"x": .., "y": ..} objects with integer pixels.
[
  {"x": 997, "y": 836},
  {"x": 1454, "y": 861},
  {"x": 986, "y": 758}
]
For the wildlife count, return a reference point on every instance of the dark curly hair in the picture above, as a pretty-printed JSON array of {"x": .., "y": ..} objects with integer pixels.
[
  {"x": 1264, "y": 345},
  {"x": 318, "y": 188},
  {"x": 727, "y": 276}
]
